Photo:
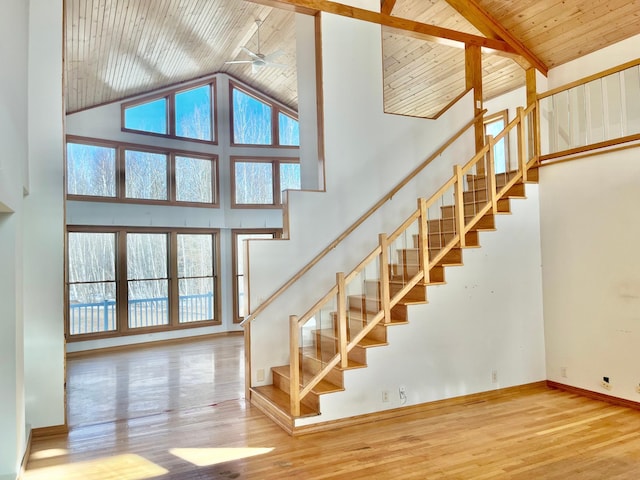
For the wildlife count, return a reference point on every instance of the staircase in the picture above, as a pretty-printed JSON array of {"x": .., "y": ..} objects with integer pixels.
[{"x": 335, "y": 334}]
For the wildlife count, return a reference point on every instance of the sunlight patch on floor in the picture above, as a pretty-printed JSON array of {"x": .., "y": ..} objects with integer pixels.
[
  {"x": 122, "y": 467},
  {"x": 203, "y": 457},
  {"x": 49, "y": 453}
]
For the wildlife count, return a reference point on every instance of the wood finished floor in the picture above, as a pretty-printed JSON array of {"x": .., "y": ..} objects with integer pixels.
[{"x": 536, "y": 433}]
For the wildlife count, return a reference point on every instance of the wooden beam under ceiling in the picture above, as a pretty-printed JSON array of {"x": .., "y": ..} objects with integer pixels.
[
  {"x": 428, "y": 32},
  {"x": 490, "y": 27},
  {"x": 386, "y": 6}
]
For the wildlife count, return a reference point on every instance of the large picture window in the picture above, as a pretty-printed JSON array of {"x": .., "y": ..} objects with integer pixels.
[
  {"x": 151, "y": 175},
  {"x": 181, "y": 113},
  {"x": 259, "y": 182},
  {"x": 125, "y": 280},
  {"x": 255, "y": 120}
]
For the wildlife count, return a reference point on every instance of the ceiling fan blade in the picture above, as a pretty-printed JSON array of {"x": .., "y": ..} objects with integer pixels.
[
  {"x": 255, "y": 56},
  {"x": 277, "y": 65},
  {"x": 238, "y": 61},
  {"x": 272, "y": 56}
]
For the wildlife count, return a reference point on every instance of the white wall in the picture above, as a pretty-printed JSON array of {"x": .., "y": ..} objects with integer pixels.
[
  {"x": 367, "y": 152},
  {"x": 589, "y": 231}
]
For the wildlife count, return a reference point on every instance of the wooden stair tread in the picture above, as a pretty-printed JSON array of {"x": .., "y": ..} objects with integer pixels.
[
  {"x": 282, "y": 401},
  {"x": 370, "y": 342},
  {"x": 323, "y": 386}
]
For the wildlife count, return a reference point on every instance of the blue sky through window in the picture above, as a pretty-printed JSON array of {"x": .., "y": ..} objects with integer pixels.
[
  {"x": 147, "y": 117},
  {"x": 193, "y": 113},
  {"x": 251, "y": 120}
]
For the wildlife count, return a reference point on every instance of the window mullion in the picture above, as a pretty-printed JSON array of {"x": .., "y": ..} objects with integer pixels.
[
  {"x": 277, "y": 194},
  {"x": 122, "y": 286},
  {"x": 174, "y": 287}
]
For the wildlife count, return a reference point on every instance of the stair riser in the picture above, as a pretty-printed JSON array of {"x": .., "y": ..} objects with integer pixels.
[
  {"x": 355, "y": 324},
  {"x": 312, "y": 366},
  {"x": 311, "y": 400},
  {"x": 416, "y": 294}
]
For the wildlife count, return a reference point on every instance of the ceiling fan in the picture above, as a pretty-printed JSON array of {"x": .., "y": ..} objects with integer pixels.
[{"x": 259, "y": 60}]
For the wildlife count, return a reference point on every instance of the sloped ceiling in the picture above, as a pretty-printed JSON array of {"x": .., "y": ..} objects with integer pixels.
[{"x": 119, "y": 48}]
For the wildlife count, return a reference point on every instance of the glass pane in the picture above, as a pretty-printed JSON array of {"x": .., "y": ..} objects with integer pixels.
[
  {"x": 92, "y": 308},
  {"x": 194, "y": 180},
  {"x": 632, "y": 99},
  {"x": 193, "y": 113},
  {"x": 147, "y": 117},
  {"x": 254, "y": 183},
  {"x": 146, "y": 175},
  {"x": 578, "y": 116},
  {"x": 91, "y": 257},
  {"x": 196, "y": 299},
  {"x": 240, "y": 246},
  {"x": 289, "y": 176},
  {"x": 613, "y": 95},
  {"x": 146, "y": 256},
  {"x": 595, "y": 121},
  {"x": 499, "y": 149},
  {"x": 148, "y": 303},
  {"x": 561, "y": 111},
  {"x": 288, "y": 129},
  {"x": 251, "y": 120},
  {"x": 91, "y": 170},
  {"x": 195, "y": 255}
]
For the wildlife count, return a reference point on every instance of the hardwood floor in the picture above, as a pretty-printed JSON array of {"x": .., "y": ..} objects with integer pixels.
[{"x": 534, "y": 433}]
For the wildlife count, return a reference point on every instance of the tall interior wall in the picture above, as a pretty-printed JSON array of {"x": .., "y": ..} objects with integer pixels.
[
  {"x": 487, "y": 319},
  {"x": 590, "y": 224},
  {"x": 31, "y": 220}
]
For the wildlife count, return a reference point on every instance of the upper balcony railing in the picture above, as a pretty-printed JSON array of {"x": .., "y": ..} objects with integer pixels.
[{"x": 597, "y": 111}]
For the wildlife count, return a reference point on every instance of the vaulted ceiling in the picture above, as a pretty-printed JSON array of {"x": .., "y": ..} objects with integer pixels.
[{"x": 119, "y": 48}]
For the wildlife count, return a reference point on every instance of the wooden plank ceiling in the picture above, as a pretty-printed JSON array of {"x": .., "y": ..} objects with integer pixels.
[{"x": 119, "y": 48}]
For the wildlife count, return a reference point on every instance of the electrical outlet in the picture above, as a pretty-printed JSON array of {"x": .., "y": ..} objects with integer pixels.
[
  {"x": 563, "y": 372},
  {"x": 494, "y": 376},
  {"x": 605, "y": 383},
  {"x": 260, "y": 375},
  {"x": 385, "y": 396},
  {"x": 402, "y": 391}
]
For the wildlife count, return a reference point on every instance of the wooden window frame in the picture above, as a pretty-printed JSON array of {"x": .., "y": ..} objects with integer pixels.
[
  {"x": 276, "y": 108},
  {"x": 275, "y": 183},
  {"x": 277, "y": 234},
  {"x": 170, "y": 96},
  {"x": 121, "y": 280},
  {"x": 121, "y": 148}
]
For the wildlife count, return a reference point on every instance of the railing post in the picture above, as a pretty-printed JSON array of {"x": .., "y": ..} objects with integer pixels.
[
  {"x": 423, "y": 239},
  {"x": 522, "y": 147},
  {"x": 385, "y": 291},
  {"x": 105, "y": 310},
  {"x": 294, "y": 365},
  {"x": 459, "y": 207},
  {"x": 491, "y": 174},
  {"x": 342, "y": 320}
]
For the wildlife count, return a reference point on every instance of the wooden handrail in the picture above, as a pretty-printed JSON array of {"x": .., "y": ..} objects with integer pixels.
[{"x": 285, "y": 286}]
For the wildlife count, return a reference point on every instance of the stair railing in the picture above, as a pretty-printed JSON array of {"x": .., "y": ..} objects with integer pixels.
[
  {"x": 329, "y": 248},
  {"x": 324, "y": 336}
]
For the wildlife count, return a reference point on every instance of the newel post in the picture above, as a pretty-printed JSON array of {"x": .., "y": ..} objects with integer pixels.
[
  {"x": 385, "y": 292},
  {"x": 491, "y": 174},
  {"x": 294, "y": 365},
  {"x": 342, "y": 320},
  {"x": 459, "y": 207}
]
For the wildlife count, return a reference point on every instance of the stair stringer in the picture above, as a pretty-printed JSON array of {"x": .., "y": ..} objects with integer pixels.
[{"x": 487, "y": 317}]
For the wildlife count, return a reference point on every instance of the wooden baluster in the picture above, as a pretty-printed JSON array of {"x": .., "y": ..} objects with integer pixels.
[
  {"x": 459, "y": 206},
  {"x": 385, "y": 292},
  {"x": 491, "y": 174},
  {"x": 342, "y": 320},
  {"x": 294, "y": 365},
  {"x": 423, "y": 238},
  {"x": 522, "y": 146}
]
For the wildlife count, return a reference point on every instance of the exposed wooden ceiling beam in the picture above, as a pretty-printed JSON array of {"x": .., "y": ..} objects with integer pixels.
[
  {"x": 490, "y": 27},
  {"x": 425, "y": 31},
  {"x": 386, "y": 6}
]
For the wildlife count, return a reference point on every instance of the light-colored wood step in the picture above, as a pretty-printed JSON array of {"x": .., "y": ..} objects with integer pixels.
[
  {"x": 283, "y": 376},
  {"x": 276, "y": 404}
]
